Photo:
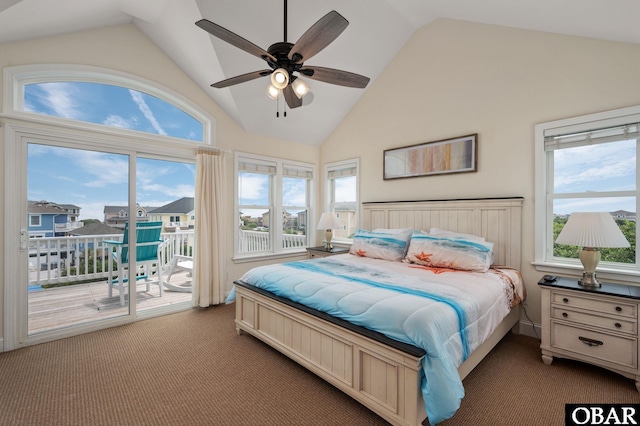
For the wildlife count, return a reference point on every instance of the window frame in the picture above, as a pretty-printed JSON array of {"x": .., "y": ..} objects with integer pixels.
[
  {"x": 544, "y": 260},
  {"x": 33, "y": 216},
  {"x": 329, "y": 202},
  {"x": 275, "y": 207},
  {"x": 17, "y": 77}
]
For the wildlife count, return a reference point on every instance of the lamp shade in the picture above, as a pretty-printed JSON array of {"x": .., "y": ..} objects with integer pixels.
[
  {"x": 329, "y": 220},
  {"x": 592, "y": 229},
  {"x": 280, "y": 78},
  {"x": 300, "y": 88},
  {"x": 273, "y": 92}
]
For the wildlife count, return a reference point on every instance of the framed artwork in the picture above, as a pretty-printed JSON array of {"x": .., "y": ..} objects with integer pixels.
[{"x": 457, "y": 155}]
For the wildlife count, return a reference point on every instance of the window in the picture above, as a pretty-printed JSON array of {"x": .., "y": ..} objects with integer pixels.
[
  {"x": 273, "y": 199},
  {"x": 34, "y": 220},
  {"x": 586, "y": 164},
  {"x": 93, "y": 98},
  {"x": 342, "y": 196},
  {"x": 110, "y": 105}
]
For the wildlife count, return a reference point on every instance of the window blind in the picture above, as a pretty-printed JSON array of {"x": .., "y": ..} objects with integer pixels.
[
  {"x": 344, "y": 171},
  {"x": 592, "y": 136},
  {"x": 297, "y": 173},
  {"x": 254, "y": 167}
]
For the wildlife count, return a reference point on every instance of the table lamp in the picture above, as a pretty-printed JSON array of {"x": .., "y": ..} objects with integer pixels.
[
  {"x": 328, "y": 221},
  {"x": 591, "y": 230}
]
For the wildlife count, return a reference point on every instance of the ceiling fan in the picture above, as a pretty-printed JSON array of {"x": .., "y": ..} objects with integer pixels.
[{"x": 285, "y": 59}]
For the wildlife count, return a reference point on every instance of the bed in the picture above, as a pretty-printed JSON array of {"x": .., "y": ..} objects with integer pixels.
[{"x": 397, "y": 378}]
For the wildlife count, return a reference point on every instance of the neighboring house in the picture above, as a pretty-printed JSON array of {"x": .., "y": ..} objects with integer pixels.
[
  {"x": 117, "y": 216},
  {"x": 623, "y": 214},
  {"x": 48, "y": 219},
  {"x": 178, "y": 214},
  {"x": 347, "y": 218},
  {"x": 98, "y": 229}
]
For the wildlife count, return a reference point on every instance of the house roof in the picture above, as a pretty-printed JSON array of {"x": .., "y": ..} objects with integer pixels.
[
  {"x": 182, "y": 206},
  {"x": 45, "y": 207},
  {"x": 96, "y": 229},
  {"x": 377, "y": 31},
  {"x": 116, "y": 209}
]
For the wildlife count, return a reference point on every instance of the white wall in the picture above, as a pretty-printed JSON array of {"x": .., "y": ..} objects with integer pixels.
[
  {"x": 455, "y": 78},
  {"x": 125, "y": 48}
]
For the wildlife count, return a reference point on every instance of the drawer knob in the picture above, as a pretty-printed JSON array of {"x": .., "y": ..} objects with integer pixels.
[
  {"x": 564, "y": 314},
  {"x": 618, "y": 325},
  {"x": 590, "y": 342},
  {"x": 618, "y": 309},
  {"x": 565, "y": 300}
]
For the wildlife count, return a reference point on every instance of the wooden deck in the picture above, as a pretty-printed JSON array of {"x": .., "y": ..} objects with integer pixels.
[{"x": 64, "y": 306}]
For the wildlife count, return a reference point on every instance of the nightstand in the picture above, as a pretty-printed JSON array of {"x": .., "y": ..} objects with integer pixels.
[
  {"x": 320, "y": 251},
  {"x": 594, "y": 325}
]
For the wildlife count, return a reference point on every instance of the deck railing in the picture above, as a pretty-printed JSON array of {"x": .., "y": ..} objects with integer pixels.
[
  {"x": 68, "y": 259},
  {"x": 259, "y": 241}
]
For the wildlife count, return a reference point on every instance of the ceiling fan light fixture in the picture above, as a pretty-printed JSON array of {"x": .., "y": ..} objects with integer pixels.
[
  {"x": 280, "y": 78},
  {"x": 300, "y": 88},
  {"x": 273, "y": 92}
]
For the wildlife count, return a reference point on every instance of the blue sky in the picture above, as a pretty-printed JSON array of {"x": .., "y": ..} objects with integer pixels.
[
  {"x": 595, "y": 168},
  {"x": 91, "y": 179}
]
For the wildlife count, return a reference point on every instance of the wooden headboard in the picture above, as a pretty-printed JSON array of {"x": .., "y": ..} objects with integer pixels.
[{"x": 498, "y": 220}]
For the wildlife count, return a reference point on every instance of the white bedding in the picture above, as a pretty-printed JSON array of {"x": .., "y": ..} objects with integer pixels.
[{"x": 447, "y": 312}]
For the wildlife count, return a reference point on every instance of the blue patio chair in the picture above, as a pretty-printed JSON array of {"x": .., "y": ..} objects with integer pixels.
[{"x": 147, "y": 246}]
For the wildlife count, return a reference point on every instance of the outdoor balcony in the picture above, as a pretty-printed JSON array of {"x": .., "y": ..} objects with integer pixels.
[{"x": 68, "y": 280}]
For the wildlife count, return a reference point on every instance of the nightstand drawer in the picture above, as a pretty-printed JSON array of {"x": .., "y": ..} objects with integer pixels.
[
  {"x": 620, "y": 324},
  {"x": 599, "y": 305},
  {"x": 607, "y": 348}
]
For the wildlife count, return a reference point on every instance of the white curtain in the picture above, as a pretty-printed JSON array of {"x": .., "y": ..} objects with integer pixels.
[{"x": 209, "y": 227}]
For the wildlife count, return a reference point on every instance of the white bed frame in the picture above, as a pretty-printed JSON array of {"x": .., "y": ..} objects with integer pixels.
[{"x": 384, "y": 379}]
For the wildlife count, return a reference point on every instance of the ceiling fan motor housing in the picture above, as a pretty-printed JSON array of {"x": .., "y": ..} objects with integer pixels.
[{"x": 280, "y": 51}]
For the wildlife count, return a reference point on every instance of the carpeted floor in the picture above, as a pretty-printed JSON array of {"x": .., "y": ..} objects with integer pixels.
[{"x": 192, "y": 368}]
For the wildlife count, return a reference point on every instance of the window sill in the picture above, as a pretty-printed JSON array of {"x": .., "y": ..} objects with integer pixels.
[
  {"x": 268, "y": 256},
  {"x": 625, "y": 276}
]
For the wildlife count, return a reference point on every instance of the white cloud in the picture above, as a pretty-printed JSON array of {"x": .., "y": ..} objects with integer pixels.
[
  {"x": 117, "y": 121},
  {"x": 596, "y": 167},
  {"x": 254, "y": 188},
  {"x": 146, "y": 111},
  {"x": 61, "y": 98}
]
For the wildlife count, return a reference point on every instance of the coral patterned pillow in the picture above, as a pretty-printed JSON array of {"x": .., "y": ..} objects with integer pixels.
[
  {"x": 388, "y": 244},
  {"x": 453, "y": 253}
]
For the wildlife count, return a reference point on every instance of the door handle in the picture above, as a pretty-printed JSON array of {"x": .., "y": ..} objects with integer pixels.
[{"x": 24, "y": 237}]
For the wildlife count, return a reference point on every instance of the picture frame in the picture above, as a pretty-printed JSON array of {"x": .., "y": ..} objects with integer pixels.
[{"x": 446, "y": 156}]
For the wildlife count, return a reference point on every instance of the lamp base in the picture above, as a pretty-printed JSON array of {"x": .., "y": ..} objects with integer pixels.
[
  {"x": 328, "y": 235},
  {"x": 589, "y": 280}
]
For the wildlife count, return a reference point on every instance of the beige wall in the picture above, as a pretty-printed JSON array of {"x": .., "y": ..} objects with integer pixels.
[
  {"x": 454, "y": 78},
  {"x": 125, "y": 48}
]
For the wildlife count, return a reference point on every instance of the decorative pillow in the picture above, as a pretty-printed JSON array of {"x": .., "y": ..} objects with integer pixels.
[
  {"x": 452, "y": 253},
  {"x": 388, "y": 244},
  {"x": 455, "y": 235}
]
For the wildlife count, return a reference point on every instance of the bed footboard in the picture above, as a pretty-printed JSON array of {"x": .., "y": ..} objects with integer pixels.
[{"x": 384, "y": 379}]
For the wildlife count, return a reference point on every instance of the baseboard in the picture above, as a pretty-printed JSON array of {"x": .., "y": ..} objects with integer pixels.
[{"x": 530, "y": 329}]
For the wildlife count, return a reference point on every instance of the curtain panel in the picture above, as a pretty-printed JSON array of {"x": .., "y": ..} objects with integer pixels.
[{"x": 209, "y": 225}]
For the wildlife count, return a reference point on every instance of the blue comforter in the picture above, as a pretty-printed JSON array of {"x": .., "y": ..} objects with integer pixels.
[{"x": 401, "y": 302}]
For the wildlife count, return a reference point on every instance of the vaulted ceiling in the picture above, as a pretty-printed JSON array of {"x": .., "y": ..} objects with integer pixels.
[{"x": 377, "y": 31}]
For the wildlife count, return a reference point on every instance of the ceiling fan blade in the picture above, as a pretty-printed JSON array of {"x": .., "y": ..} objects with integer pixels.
[
  {"x": 292, "y": 100},
  {"x": 234, "y": 39},
  {"x": 318, "y": 36},
  {"x": 241, "y": 79},
  {"x": 333, "y": 76}
]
